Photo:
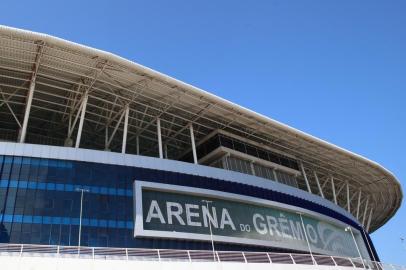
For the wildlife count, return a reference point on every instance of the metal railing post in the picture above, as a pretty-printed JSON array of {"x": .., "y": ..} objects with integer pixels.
[
  {"x": 291, "y": 257},
  {"x": 334, "y": 261},
  {"x": 188, "y": 254},
  {"x": 21, "y": 250},
  {"x": 269, "y": 257},
  {"x": 313, "y": 259},
  {"x": 245, "y": 259},
  {"x": 159, "y": 255},
  {"x": 126, "y": 253},
  {"x": 353, "y": 264}
]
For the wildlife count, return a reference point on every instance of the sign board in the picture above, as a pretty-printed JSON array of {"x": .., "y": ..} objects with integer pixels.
[{"x": 180, "y": 212}]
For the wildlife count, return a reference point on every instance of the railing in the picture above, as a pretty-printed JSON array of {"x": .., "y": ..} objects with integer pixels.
[{"x": 188, "y": 256}]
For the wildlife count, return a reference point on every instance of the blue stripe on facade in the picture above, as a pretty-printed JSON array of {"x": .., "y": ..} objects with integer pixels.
[
  {"x": 64, "y": 187},
  {"x": 122, "y": 224}
]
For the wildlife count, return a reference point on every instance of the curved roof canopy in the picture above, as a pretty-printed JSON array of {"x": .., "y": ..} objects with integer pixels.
[{"x": 62, "y": 72}]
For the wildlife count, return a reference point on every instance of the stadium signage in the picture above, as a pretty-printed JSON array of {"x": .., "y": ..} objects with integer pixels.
[{"x": 181, "y": 212}]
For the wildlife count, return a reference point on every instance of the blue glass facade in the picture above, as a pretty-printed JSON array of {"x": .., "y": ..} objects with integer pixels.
[{"x": 39, "y": 204}]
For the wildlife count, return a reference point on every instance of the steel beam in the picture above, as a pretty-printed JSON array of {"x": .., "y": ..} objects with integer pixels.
[
  {"x": 275, "y": 175},
  {"x": 305, "y": 177},
  {"x": 318, "y": 183},
  {"x": 124, "y": 145},
  {"x": 359, "y": 203},
  {"x": 369, "y": 219},
  {"x": 158, "y": 126},
  {"x": 365, "y": 212},
  {"x": 348, "y": 198},
  {"x": 115, "y": 129},
  {"x": 192, "y": 138},
  {"x": 334, "y": 190},
  {"x": 137, "y": 144},
  {"x": 23, "y": 130},
  {"x": 82, "y": 119}
]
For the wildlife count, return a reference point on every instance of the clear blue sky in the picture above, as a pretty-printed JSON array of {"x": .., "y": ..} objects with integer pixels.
[{"x": 335, "y": 69}]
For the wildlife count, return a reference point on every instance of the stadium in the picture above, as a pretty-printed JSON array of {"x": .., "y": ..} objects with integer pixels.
[{"x": 103, "y": 157}]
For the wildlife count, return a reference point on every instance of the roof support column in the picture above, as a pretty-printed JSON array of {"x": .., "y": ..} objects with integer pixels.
[
  {"x": 137, "y": 142},
  {"x": 275, "y": 175},
  {"x": 359, "y": 203},
  {"x": 333, "y": 187},
  {"x": 369, "y": 219},
  {"x": 348, "y": 197},
  {"x": 192, "y": 138},
  {"x": 305, "y": 177},
  {"x": 127, "y": 112},
  {"x": 82, "y": 119},
  {"x": 23, "y": 130},
  {"x": 158, "y": 126},
  {"x": 365, "y": 212},
  {"x": 252, "y": 167},
  {"x": 166, "y": 151},
  {"x": 318, "y": 184}
]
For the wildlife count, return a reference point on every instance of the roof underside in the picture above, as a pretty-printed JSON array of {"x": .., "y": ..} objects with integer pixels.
[{"x": 64, "y": 71}]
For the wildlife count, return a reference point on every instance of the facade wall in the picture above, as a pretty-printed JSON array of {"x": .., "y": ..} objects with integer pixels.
[{"x": 39, "y": 204}]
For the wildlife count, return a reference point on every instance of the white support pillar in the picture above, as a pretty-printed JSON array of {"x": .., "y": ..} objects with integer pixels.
[
  {"x": 365, "y": 212},
  {"x": 275, "y": 175},
  {"x": 305, "y": 177},
  {"x": 369, "y": 219},
  {"x": 23, "y": 131},
  {"x": 166, "y": 151},
  {"x": 137, "y": 144},
  {"x": 252, "y": 167},
  {"x": 192, "y": 138},
  {"x": 158, "y": 126},
  {"x": 82, "y": 119},
  {"x": 124, "y": 145},
  {"x": 348, "y": 197},
  {"x": 359, "y": 203},
  {"x": 318, "y": 184},
  {"x": 333, "y": 187}
]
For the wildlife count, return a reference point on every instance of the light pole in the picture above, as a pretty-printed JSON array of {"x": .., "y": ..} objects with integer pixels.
[
  {"x": 356, "y": 245},
  {"x": 211, "y": 233},
  {"x": 81, "y": 190},
  {"x": 305, "y": 233}
]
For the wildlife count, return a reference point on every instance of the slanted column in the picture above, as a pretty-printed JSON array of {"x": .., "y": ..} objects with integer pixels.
[
  {"x": 82, "y": 119},
  {"x": 137, "y": 144},
  {"x": 275, "y": 175},
  {"x": 158, "y": 126},
  {"x": 348, "y": 197},
  {"x": 252, "y": 167},
  {"x": 23, "y": 131},
  {"x": 365, "y": 212},
  {"x": 318, "y": 184},
  {"x": 333, "y": 187},
  {"x": 124, "y": 145},
  {"x": 305, "y": 177},
  {"x": 359, "y": 203},
  {"x": 369, "y": 219},
  {"x": 192, "y": 138}
]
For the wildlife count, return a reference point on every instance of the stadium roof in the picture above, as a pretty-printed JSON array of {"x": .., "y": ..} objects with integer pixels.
[{"x": 64, "y": 72}]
